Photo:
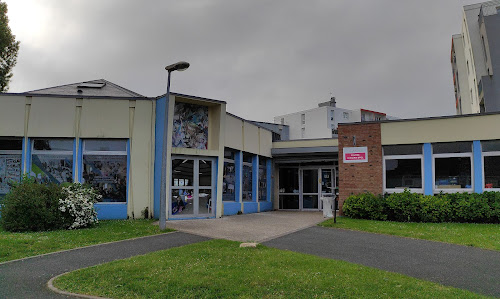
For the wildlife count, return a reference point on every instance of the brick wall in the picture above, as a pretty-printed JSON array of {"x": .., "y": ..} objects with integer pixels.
[{"x": 357, "y": 178}]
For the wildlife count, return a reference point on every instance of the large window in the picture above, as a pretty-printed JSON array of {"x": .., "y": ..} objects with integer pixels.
[
  {"x": 52, "y": 160},
  {"x": 452, "y": 166},
  {"x": 229, "y": 178},
  {"x": 192, "y": 186},
  {"x": 247, "y": 177},
  {"x": 491, "y": 165},
  {"x": 105, "y": 168},
  {"x": 10, "y": 163},
  {"x": 262, "y": 179},
  {"x": 403, "y": 167}
]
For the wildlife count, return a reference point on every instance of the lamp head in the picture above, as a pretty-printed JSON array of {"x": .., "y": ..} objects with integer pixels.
[{"x": 178, "y": 66}]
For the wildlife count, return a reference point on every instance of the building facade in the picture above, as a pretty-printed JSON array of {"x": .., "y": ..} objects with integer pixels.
[
  {"x": 475, "y": 58},
  {"x": 323, "y": 121}
]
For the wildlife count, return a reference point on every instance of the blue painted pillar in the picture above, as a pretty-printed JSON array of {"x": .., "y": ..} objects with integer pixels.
[
  {"x": 269, "y": 178},
  {"x": 161, "y": 118},
  {"x": 428, "y": 182},
  {"x": 80, "y": 161},
  {"x": 238, "y": 169},
  {"x": 75, "y": 160},
  {"x": 28, "y": 157},
  {"x": 478, "y": 166},
  {"x": 23, "y": 155},
  {"x": 255, "y": 178}
]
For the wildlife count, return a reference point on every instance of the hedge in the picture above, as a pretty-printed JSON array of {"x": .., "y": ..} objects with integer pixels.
[{"x": 413, "y": 207}]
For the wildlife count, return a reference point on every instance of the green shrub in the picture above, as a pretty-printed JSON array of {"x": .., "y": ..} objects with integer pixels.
[
  {"x": 365, "y": 206},
  {"x": 407, "y": 206},
  {"x": 30, "y": 206}
]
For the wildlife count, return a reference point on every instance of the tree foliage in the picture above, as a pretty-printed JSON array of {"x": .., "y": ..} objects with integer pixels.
[{"x": 8, "y": 49}]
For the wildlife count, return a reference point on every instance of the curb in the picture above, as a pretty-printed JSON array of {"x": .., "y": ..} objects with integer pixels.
[{"x": 51, "y": 287}]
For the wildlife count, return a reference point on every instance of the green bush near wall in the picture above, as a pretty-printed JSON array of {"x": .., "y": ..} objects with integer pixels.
[
  {"x": 30, "y": 206},
  {"x": 413, "y": 207}
]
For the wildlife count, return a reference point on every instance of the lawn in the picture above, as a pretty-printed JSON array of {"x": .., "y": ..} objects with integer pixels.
[
  {"x": 485, "y": 236},
  {"x": 20, "y": 245},
  {"x": 220, "y": 269}
]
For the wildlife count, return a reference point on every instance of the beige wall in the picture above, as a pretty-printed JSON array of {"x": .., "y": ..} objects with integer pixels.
[
  {"x": 441, "y": 130},
  {"x": 52, "y": 117},
  {"x": 245, "y": 136},
  {"x": 104, "y": 118},
  {"x": 306, "y": 143},
  {"x": 12, "y": 115}
]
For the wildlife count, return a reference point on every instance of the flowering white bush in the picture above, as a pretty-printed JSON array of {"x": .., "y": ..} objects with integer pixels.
[{"x": 79, "y": 204}]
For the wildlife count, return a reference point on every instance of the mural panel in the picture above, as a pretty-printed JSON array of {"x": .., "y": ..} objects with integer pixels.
[{"x": 190, "y": 126}]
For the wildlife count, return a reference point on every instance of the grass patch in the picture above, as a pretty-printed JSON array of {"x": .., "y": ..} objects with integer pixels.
[
  {"x": 220, "y": 269},
  {"x": 19, "y": 245},
  {"x": 485, "y": 236}
]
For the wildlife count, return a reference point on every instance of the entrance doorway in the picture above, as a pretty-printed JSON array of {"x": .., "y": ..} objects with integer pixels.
[
  {"x": 301, "y": 188},
  {"x": 192, "y": 187}
]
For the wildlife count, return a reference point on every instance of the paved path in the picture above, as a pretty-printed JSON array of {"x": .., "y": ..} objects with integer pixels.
[
  {"x": 257, "y": 227},
  {"x": 463, "y": 267},
  {"x": 28, "y": 278}
]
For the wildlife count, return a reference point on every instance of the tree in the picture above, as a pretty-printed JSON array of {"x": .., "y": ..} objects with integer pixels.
[{"x": 8, "y": 49}]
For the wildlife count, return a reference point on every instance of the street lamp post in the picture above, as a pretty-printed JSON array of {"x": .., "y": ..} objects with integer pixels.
[{"x": 179, "y": 66}]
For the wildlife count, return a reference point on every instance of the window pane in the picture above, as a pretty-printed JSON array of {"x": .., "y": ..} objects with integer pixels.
[
  {"x": 310, "y": 183},
  {"x": 289, "y": 202},
  {"x": 105, "y": 145},
  {"x": 182, "y": 202},
  {"x": 310, "y": 202},
  {"x": 405, "y": 149},
  {"x": 190, "y": 128},
  {"x": 228, "y": 182},
  {"x": 52, "y": 168},
  {"x": 403, "y": 173},
  {"x": 326, "y": 181},
  {"x": 182, "y": 172},
  {"x": 108, "y": 174},
  {"x": 10, "y": 171},
  {"x": 247, "y": 183},
  {"x": 11, "y": 144},
  {"x": 452, "y": 147},
  {"x": 53, "y": 144},
  {"x": 453, "y": 173},
  {"x": 492, "y": 172},
  {"x": 205, "y": 201},
  {"x": 289, "y": 180},
  {"x": 205, "y": 168},
  {"x": 229, "y": 153},
  {"x": 247, "y": 158},
  {"x": 491, "y": 146},
  {"x": 262, "y": 184}
]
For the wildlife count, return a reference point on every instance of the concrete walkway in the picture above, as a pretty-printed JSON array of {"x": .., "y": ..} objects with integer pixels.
[
  {"x": 257, "y": 227},
  {"x": 462, "y": 267},
  {"x": 28, "y": 278}
]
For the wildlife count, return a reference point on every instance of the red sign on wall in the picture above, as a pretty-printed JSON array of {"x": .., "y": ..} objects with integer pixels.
[{"x": 355, "y": 154}]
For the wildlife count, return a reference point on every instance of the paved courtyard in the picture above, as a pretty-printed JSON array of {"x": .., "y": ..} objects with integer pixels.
[{"x": 258, "y": 227}]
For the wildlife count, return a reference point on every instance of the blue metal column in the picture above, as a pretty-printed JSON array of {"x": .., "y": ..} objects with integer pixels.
[
  {"x": 478, "y": 166},
  {"x": 238, "y": 169},
  {"x": 161, "y": 118},
  {"x": 255, "y": 178},
  {"x": 428, "y": 182},
  {"x": 269, "y": 178}
]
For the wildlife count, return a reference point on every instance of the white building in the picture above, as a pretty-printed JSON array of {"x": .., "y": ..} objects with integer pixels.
[
  {"x": 474, "y": 57},
  {"x": 322, "y": 122}
]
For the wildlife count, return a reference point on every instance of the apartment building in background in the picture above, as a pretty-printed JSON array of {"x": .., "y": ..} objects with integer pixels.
[
  {"x": 323, "y": 121},
  {"x": 475, "y": 58}
]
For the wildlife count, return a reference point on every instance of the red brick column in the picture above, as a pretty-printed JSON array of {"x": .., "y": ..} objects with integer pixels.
[{"x": 355, "y": 178}]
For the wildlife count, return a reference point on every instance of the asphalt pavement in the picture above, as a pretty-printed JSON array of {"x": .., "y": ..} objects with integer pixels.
[{"x": 464, "y": 267}]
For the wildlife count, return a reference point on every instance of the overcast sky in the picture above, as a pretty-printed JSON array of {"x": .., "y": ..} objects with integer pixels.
[{"x": 264, "y": 58}]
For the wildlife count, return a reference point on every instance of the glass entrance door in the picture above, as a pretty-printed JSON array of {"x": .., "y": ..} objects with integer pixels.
[
  {"x": 192, "y": 187},
  {"x": 310, "y": 189}
]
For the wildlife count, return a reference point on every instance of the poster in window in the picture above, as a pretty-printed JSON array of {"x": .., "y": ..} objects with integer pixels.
[
  {"x": 52, "y": 168},
  {"x": 10, "y": 171},
  {"x": 108, "y": 174},
  {"x": 190, "y": 126}
]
